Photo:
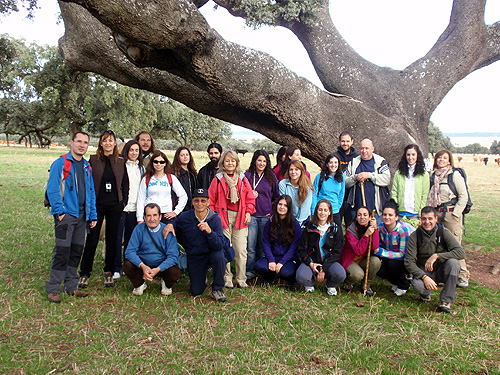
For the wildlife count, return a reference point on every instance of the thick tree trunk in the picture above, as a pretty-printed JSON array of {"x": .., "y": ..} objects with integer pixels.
[{"x": 167, "y": 47}]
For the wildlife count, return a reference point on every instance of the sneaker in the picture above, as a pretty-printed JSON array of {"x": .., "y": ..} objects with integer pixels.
[
  {"x": 139, "y": 290},
  {"x": 400, "y": 292},
  {"x": 77, "y": 293},
  {"x": 228, "y": 284},
  {"x": 250, "y": 275},
  {"x": 54, "y": 297},
  {"x": 309, "y": 289},
  {"x": 108, "y": 280},
  {"x": 219, "y": 296},
  {"x": 463, "y": 283},
  {"x": 347, "y": 287},
  {"x": 83, "y": 282},
  {"x": 116, "y": 275},
  {"x": 368, "y": 292},
  {"x": 242, "y": 284},
  {"x": 425, "y": 298},
  {"x": 165, "y": 291},
  {"x": 394, "y": 287},
  {"x": 331, "y": 291},
  {"x": 445, "y": 307}
]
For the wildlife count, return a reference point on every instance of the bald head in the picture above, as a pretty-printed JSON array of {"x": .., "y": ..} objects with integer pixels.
[{"x": 366, "y": 149}]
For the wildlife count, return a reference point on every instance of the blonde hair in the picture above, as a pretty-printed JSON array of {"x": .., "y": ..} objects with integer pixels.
[{"x": 232, "y": 154}]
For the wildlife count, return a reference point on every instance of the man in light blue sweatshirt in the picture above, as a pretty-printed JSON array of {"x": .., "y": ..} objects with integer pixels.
[{"x": 149, "y": 255}]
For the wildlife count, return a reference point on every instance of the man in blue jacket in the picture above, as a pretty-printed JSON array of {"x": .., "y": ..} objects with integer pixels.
[
  {"x": 70, "y": 191},
  {"x": 199, "y": 230},
  {"x": 149, "y": 255}
]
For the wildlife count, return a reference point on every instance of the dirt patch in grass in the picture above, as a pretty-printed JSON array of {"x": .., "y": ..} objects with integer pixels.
[{"x": 484, "y": 266}]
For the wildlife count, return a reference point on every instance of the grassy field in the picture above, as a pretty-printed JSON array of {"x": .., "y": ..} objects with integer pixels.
[{"x": 258, "y": 331}]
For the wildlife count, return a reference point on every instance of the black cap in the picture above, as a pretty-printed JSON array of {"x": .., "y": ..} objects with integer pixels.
[{"x": 200, "y": 193}]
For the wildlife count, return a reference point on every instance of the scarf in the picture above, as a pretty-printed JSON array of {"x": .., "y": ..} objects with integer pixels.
[
  {"x": 232, "y": 183},
  {"x": 434, "y": 198},
  {"x": 323, "y": 228}
]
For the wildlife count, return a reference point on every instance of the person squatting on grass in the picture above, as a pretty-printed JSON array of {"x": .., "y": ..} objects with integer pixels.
[
  {"x": 281, "y": 239},
  {"x": 394, "y": 237},
  {"x": 149, "y": 255},
  {"x": 355, "y": 251},
  {"x": 265, "y": 190},
  {"x": 111, "y": 189},
  {"x": 200, "y": 232},
  {"x": 231, "y": 196},
  {"x": 432, "y": 256},
  {"x": 71, "y": 211},
  {"x": 319, "y": 251}
]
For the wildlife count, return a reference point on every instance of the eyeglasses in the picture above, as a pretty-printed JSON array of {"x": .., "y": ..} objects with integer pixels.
[
  {"x": 109, "y": 132},
  {"x": 159, "y": 161}
]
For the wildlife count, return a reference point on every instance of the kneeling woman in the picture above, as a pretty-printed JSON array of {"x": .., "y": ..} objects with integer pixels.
[
  {"x": 280, "y": 240},
  {"x": 319, "y": 251},
  {"x": 394, "y": 236},
  {"x": 355, "y": 251}
]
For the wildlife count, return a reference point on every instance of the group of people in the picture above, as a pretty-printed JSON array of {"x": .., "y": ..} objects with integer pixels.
[{"x": 273, "y": 222}]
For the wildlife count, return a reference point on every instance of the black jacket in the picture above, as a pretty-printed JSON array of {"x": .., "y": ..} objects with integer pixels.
[
  {"x": 345, "y": 159},
  {"x": 206, "y": 175},
  {"x": 309, "y": 250},
  {"x": 188, "y": 182}
]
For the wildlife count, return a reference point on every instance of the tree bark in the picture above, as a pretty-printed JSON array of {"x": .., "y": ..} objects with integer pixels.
[{"x": 168, "y": 48}]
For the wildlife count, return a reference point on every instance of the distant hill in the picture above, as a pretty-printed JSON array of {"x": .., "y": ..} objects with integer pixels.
[{"x": 471, "y": 135}]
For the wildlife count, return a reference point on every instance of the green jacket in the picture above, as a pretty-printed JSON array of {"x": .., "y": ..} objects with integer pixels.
[
  {"x": 422, "y": 187},
  {"x": 415, "y": 258}
]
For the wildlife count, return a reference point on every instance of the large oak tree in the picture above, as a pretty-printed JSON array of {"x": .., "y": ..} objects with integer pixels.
[{"x": 167, "y": 47}]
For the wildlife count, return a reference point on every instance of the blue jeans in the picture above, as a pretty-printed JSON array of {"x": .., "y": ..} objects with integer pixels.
[{"x": 255, "y": 250}]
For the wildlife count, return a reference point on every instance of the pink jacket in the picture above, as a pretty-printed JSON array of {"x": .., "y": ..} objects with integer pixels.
[
  {"x": 218, "y": 193},
  {"x": 354, "y": 247}
]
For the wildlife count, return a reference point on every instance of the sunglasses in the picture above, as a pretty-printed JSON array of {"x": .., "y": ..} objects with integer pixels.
[
  {"x": 159, "y": 161},
  {"x": 109, "y": 132}
]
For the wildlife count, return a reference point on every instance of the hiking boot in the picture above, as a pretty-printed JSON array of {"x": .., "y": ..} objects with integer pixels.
[
  {"x": 309, "y": 289},
  {"x": 54, "y": 297},
  {"x": 77, "y": 293},
  {"x": 139, "y": 290},
  {"x": 108, "y": 279},
  {"x": 368, "y": 292},
  {"x": 347, "y": 287},
  {"x": 445, "y": 307},
  {"x": 331, "y": 291},
  {"x": 219, "y": 296},
  {"x": 463, "y": 283},
  {"x": 83, "y": 282},
  {"x": 165, "y": 291},
  {"x": 228, "y": 284},
  {"x": 242, "y": 284},
  {"x": 425, "y": 298},
  {"x": 399, "y": 292}
]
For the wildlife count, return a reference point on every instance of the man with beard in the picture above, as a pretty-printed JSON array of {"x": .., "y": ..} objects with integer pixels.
[
  {"x": 147, "y": 145},
  {"x": 207, "y": 173},
  {"x": 346, "y": 152}
]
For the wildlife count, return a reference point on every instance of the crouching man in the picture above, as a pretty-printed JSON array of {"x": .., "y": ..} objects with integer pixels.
[
  {"x": 432, "y": 257},
  {"x": 149, "y": 255},
  {"x": 199, "y": 230}
]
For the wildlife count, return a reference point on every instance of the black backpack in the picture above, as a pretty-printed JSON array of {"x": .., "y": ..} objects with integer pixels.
[
  {"x": 439, "y": 237},
  {"x": 453, "y": 188}
]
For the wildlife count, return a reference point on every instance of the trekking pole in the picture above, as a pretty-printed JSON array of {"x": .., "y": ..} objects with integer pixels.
[{"x": 368, "y": 257}]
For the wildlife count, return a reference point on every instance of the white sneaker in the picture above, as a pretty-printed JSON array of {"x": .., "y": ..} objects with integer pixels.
[
  {"x": 400, "y": 292},
  {"x": 139, "y": 290},
  {"x": 228, "y": 284},
  {"x": 394, "y": 287},
  {"x": 164, "y": 290},
  {"x": 331, "y": 291},
  {"x": 116, "y": 275},
  {"x": 463, "y": 283},
  {"x": 309, "y": 289},
  {"x": 242, "y": 284}
]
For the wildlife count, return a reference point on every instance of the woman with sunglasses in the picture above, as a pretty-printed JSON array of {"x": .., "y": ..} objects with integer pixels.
[
  {"x": 111, "y": 188},
  {"x": 160, "y": 186}
]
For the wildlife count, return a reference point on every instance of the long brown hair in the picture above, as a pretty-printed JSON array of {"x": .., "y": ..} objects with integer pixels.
[
  {"x": 285, "y": 227},
  {"x": 441, "y": 152},
  {"x": 105, "y": 135},
  {"x": 177, "y": 166},
  {"x": 150, "y": 171},
  {"x": 126, "y": 149},
  {"x": 305, "y": 183}
]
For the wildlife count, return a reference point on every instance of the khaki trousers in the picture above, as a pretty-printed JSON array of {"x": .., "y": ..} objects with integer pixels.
[
  {"x": 454, "y": 225},
  {"x": 238, "y": 238}
]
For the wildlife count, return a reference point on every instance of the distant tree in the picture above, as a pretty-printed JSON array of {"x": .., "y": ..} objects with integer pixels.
[
  {"x": 495, "y": 148},
  {"x": 265, "y": 144},
  {"x": 437, "y": 141},
  {"x": 474, "y": 148}
]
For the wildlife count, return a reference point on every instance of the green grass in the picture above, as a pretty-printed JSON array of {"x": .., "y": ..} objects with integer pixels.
[{"x": 258, "y": 331}]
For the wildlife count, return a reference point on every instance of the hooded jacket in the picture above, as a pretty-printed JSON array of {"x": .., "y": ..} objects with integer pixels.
[{"x": 309, "y": 245}]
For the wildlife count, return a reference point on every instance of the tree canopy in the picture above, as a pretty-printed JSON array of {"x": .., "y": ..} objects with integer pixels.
[{"x": 167, "y": 47}]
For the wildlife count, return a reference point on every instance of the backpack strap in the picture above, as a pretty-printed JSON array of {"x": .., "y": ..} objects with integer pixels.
[
  {"x": 439, "y": 236},
  {"x": 152, "y": 239},
  {"x": 148, "y": 178}
]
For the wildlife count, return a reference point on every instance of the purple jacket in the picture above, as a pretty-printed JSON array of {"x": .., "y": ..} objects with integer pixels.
[
  {"x": 268, "y": 193},
  {"x": 272, "y": 249}
]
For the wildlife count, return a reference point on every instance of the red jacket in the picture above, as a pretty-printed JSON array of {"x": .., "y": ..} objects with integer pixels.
[
  {"x": 217, "y": 193},
  {"x": 354, "y": 247}
]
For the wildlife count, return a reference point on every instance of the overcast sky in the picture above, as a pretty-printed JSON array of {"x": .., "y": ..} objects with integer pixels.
[{"x": 391, "y": 33}]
